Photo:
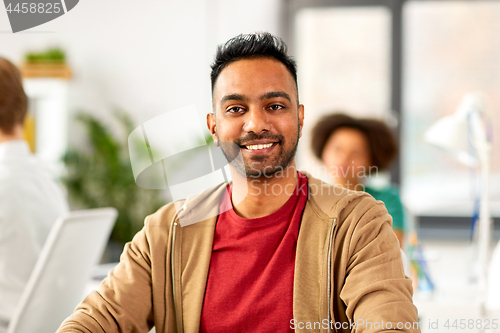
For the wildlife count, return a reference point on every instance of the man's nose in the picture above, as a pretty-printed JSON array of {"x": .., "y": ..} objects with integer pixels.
[{"x": 257, "y": 121}]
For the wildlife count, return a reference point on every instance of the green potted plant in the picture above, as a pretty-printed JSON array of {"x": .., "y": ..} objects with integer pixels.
[
  {"x": 50, "y": 63},
  {"x": 102, "y": 176}
]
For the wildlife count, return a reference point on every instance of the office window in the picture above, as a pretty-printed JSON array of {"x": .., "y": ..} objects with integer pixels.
[
  {"x": 451, "y": 48},
  {"x": 343, "y": 57}
]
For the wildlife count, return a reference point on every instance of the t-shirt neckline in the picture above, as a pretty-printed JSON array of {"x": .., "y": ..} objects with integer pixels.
[{"x": 263, "y": 220}]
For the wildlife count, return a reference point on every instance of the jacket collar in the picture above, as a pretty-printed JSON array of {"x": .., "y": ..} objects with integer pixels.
[
  {"x": 323, "y": 196},
  {"x": 200, "y": 207},
  {"x": 328, "y": 199}
]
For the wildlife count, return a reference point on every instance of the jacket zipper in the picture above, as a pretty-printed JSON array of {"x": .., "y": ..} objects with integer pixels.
[
  {"x": 330, "y": 272},
  {"x": 173, "y": 274}
]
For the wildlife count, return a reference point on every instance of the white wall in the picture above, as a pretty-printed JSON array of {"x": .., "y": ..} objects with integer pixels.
[{"x": 147, "y": 57}]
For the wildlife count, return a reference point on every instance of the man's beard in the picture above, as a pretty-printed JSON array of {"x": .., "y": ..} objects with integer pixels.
[{"x": 277, "y": 164}]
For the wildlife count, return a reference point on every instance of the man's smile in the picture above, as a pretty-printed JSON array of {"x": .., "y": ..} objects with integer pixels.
[{"x": 259, "y": 148}]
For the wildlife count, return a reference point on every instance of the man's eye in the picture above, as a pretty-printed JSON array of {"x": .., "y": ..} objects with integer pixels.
[
  {"x": 276, "y": 107},
  {"x": 234, "y": 109}
]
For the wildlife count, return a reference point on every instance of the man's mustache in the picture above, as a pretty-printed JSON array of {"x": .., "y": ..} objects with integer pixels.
[{"x": 254, "y": 137}]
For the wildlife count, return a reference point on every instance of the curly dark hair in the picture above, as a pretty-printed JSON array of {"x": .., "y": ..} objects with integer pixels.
[
  {"x": 248, "y": 46},
  {"x": 381, "y": 140}
]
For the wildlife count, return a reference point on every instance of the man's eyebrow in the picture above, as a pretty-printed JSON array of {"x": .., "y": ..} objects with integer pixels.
[
  {"x": 274, "y": 94},
  {"x": 233, "y": 97}
]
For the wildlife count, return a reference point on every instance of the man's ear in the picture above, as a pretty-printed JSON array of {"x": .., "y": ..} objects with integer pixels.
[
  {"x": 301, "y": 119},
  {"x": 212, "y": 127}
]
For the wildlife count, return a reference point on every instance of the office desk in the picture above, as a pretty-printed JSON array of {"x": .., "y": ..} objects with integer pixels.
[{"x": 455, "y": 297}]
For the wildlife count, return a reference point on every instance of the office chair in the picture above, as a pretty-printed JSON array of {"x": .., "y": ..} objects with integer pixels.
[{"x": 75, "y": 244}]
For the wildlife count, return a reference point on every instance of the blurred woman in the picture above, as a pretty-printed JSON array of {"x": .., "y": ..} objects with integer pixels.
[{"x": 353, "y": 149}]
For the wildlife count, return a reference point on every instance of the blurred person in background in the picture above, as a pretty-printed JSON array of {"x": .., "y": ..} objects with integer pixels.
[
  {"x": 353, "y": 149},
  {"x": 30, "y": 200}
]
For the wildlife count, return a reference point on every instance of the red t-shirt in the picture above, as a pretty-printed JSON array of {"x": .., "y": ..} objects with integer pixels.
[{"x": 250, "y": 280}]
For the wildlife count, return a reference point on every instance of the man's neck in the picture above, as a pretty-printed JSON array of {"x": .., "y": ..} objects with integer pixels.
[
  {"x": 17, "y": 134},
  {"x": 258, "y": 197}
]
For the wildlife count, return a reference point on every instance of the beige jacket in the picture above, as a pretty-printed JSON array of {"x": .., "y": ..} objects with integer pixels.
[{"x": 348, "y": 271}]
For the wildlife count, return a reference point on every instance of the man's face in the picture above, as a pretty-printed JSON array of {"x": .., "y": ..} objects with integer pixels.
[{"x": 256, "y": 108}]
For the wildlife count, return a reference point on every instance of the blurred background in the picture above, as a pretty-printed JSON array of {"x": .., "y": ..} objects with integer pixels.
[{"x": 408, "y": 63}]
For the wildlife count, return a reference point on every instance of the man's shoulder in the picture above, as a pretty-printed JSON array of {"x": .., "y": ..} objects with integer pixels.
[
  {"x": 162, "y": 216},
  {"x": 14, "y": 182},
  {"x": 23, "y": 170},
  {"x": 383, "y": 193},
  {"x": 351, "y": 210},
  {"x": 194, "y": 208},
  {"x": 332, "y": 198}
]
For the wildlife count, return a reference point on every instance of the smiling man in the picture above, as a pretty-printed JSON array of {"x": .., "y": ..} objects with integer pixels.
[{"x": 286, "y": 252}]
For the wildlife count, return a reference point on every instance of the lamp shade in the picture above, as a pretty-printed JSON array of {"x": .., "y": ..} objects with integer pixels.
[{"x": 451, "y": 132}]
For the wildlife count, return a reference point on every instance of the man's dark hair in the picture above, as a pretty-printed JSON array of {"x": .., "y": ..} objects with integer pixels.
[
  {"x": 247, "y": 46},
  {"x": 13, "y": 100},
  {"x": 381, "y": 141}
]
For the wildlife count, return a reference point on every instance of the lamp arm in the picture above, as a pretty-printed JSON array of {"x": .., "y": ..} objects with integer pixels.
[{"x": 483, "y": 148}]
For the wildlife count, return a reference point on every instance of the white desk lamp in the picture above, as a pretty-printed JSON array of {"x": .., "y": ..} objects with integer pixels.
[{"x": 455, "y": 134}]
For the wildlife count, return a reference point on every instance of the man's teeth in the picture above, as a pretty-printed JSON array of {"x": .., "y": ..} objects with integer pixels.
[{"x": 255, "y": 147}]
